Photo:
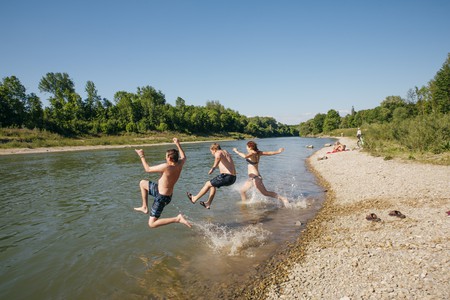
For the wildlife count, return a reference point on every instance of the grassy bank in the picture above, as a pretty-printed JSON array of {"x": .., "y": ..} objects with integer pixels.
[
  {"x": 31, "y": 139},
  {"x": 426, "y": 143},
  {"x": 422, "y": 139}
]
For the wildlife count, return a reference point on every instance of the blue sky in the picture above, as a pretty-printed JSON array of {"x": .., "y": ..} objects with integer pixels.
[{"x": 286, "y": 59}]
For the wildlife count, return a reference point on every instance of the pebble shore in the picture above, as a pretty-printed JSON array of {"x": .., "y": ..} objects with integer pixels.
[{"x": 342, "y": 255}]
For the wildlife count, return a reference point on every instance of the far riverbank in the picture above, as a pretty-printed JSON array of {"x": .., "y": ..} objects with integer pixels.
[{"x": 87, "y": 148}]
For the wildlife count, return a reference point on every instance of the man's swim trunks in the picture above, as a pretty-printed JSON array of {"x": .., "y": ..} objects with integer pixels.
[
  {"x": 223, "y": 180},
  {"x": 160, "y": 200}
]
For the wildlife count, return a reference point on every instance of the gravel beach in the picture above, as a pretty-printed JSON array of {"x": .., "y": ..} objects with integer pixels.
[{"x": 342, "y": 255}]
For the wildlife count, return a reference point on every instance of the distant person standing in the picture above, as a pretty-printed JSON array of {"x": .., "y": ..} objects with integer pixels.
[
  {"x": 227, "y": 176},
  {"x": 359, "y": 136},
  {"x": 358, "y": 133},
  {"x": 162, "y": 190}
]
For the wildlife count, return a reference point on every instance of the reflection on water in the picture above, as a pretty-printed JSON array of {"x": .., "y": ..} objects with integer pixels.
[{"x": 68, "y": 229}]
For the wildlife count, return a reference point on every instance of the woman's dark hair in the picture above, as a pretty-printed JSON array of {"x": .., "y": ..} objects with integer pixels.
[{"x": 252, "y": 145}]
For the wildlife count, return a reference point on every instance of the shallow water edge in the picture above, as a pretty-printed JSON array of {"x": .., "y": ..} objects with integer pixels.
[{"x": 275, "y": 270}]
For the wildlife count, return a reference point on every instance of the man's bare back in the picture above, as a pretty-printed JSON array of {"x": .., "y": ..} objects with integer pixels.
[
  {"x": 226, "y": 164},
  {"x": 227, "y": 176},
  {"x": 169, "y": 177}
]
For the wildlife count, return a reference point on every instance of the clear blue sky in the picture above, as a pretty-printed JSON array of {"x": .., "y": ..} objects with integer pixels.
[{"x": 286, "y": 59}]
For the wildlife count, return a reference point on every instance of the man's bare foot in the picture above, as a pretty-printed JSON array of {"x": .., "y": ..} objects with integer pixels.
[
  {"x": 191, "y": 197},
  {"x": 182, "y": 220},
  {"x": 142, "y": 209}
]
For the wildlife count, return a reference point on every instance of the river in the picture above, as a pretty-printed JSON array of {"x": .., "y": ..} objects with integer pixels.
[{"x": 69, "y": 231}]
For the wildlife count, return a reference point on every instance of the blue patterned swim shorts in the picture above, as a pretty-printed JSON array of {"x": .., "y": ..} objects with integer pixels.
[{"x": 160, "y": 200}]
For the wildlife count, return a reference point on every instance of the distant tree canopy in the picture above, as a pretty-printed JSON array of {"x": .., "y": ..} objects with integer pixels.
[
  {"x": 427, "y": 100},
  {"x": 146, "y": 110}
]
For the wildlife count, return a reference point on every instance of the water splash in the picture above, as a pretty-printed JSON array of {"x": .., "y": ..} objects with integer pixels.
[
  {"x": 299, "y": 203},
  {"x": 233, "y": 241},
  {"x": 256, "y": 198},
  {"x": 296, "y": 201}
]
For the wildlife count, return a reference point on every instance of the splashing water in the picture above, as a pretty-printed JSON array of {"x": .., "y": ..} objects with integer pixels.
[
  {"x": 233, "y": 241},
  {"x": 256, "y": 199}
]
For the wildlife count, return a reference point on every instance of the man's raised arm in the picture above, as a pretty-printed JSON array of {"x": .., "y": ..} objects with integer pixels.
[{"x": 180, "y": 150}]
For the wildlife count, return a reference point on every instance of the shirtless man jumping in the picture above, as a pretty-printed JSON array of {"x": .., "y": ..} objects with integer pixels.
[
  {"x": 162, "y": 191},
  {"x": 227, "y": 176}
]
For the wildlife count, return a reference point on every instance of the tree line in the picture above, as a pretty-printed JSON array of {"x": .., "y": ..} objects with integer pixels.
[
  {"x": 430, "y": 100},
  {"x": 146, "y": 110}
]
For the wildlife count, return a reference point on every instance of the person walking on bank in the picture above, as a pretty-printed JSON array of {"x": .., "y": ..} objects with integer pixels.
[
  {"x": 252, "y": 157},
  {"x": 359, "y": 142},
  {"x": 162, "y": 190},
  {"x": 227, "y": 176}
]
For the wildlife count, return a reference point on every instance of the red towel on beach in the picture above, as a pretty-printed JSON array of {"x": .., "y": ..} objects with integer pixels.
[{"x": 334, "y": 151}]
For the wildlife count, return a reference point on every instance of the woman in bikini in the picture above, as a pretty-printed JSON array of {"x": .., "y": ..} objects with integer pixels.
[{"x": 252, "y": 157}]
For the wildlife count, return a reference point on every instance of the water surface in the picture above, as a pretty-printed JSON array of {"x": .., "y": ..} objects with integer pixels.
[{"x": 68, "y": 228}]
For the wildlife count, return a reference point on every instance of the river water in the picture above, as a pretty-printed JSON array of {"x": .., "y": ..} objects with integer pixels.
[{"x": 69, "y": 231}]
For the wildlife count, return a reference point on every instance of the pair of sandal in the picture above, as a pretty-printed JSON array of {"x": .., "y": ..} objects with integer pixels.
[
  {"x": 189, "y": 195},
  {"x": 395, "y": 213},
  {"x": 373, "y": 217}
]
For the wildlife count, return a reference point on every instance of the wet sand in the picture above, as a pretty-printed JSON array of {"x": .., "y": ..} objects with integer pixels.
[{"x": 342, "y": 255}]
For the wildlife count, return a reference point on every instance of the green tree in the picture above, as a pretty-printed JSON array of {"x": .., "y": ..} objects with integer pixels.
[
  {"x": 128, "y": 110},
  {"x": 227, "y": 123},
  {"x": 198, "y": 120},
  {"x": 332, "y": 121},
  {"x": 66, "y": 107},
  {"x": 92, "y": 104},
  {"x": 392, "y": 102},
  {"x": 306, "y": 128},
  {"x": 317, "y": 123},
  {"x": 422, "y": 97},
  {"x": 388, "y": 106},
  {"x": 440, "y": 89},
  {"x": 180, "y": 103},
  {"x": 12, "y": 102},
  {"x": 346, "y": 121},
  {"x": 149, "y": 105},
  {"x": 400, "y": 113},
  {"x": 34, "y": 112}
]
